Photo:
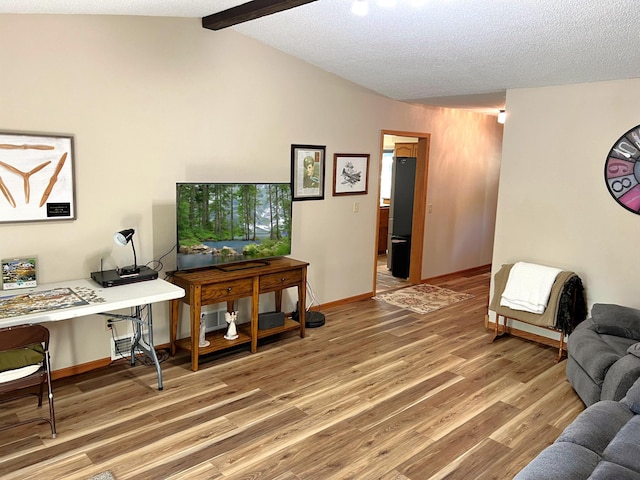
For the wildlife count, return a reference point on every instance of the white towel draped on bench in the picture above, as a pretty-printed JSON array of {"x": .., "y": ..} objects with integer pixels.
[{"x": 528, "y": 287}]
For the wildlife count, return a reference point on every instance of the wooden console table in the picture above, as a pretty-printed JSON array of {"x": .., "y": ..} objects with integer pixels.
[{"x": 215, "y": 285}]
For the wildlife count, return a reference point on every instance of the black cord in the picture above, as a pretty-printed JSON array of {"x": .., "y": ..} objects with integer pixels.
[
  {"x": 159, "y": 265},
  {"x": 148, "y": 361},
  {"x": 170, "y": 250}
]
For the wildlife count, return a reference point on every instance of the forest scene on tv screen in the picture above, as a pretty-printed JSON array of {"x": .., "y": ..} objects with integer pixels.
[{"x": 222, "y": 223}]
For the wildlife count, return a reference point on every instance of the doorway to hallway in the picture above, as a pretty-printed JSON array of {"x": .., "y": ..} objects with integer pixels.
[
  {"x": 383, "y": 274},
  {"x": 385, "y": 281}
]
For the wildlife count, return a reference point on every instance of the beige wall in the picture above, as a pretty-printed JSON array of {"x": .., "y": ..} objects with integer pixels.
[
  {"x": 153, "y": 101},
  {"x": 553, "y": 204},
  {"x": 463, "y": 189}
]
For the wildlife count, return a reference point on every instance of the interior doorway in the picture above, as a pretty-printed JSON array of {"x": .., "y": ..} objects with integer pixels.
[
  {"x": 385, "y": 281},
  {"x": 419, "y": 145}
]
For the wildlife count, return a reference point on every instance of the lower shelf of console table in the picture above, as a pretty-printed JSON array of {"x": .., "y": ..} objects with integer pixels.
[
  {"x": 225, "y": 286},
  {"x": 217, "y": 341}
]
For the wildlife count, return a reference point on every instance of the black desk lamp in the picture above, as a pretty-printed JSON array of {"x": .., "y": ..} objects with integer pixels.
[{"x": 122, "y": 238}]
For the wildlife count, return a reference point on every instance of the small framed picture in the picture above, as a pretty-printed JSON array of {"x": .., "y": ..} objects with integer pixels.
[
  {"x": 18, "y": 273},
  {"x": 350, "y": 173},
  {"x": 36, "y": 177},
  {"x": 307, "y": 172}
]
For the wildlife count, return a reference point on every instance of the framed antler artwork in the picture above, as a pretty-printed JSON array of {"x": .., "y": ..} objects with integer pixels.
[{"x": 36, "y": 177}]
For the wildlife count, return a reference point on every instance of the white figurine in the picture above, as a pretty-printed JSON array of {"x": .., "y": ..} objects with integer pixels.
[
  {"x": 202, "y": 342},
  {"x": 230, "y": 317}
]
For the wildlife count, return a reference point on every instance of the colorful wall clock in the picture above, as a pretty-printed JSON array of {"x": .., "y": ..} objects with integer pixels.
[{"x": 622, "y": 170}]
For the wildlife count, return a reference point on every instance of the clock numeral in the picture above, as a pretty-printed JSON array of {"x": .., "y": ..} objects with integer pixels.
[
  {"x": 620, "y": 185},
  {"x": 625, "y": 149},
  {"x": 618, "y": 168}
]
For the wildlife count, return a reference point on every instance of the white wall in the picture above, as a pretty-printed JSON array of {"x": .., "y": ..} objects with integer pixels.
[
  {"x": 553, "y": 204},
  {"x": 152, "y": 101}
]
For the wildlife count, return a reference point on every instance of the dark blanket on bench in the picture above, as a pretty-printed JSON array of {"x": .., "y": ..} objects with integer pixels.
[{"x": 572, "y": 307}]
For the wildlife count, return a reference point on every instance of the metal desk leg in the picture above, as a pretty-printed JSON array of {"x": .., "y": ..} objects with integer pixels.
[{"x": 146, "y": 348}]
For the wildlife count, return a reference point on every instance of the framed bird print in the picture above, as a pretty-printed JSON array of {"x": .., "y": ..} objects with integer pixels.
[{"x": 350, "y": 174}]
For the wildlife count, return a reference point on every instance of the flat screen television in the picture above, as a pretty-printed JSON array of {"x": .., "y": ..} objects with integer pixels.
[{"x": 224, "y": 224}]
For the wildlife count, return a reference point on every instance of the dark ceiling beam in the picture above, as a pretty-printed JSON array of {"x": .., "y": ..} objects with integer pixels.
[{"x": 249, "y": 11}]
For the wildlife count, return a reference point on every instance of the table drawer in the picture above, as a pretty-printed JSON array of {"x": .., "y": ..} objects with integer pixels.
[
  {"x": 276, "y": 281},
  {"x": 220, "y": 292}
]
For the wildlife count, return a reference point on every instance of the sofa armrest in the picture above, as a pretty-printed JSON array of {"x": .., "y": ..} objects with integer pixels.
[
  {"x": 632, "y": 398},
  {"x": 610, "y": 319},
  {"x": 620, "y": 377},
  {"x": 634, "y": 350}
]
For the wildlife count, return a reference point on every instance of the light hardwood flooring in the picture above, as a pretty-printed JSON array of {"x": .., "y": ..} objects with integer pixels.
[{"x": 376, "y": 393}]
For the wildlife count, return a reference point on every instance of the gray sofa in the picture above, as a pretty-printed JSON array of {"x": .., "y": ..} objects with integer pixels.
[
  {"x": 603, "y": 442},
  {"x": 603, "y": 353}
]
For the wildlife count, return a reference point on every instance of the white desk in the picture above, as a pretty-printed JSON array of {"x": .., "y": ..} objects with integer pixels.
[{"x": 135, "y": 296}]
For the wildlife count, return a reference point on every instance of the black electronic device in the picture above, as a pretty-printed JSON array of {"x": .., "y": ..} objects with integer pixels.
[
  {"x": 113, "y": 278},
  {"x": 312, "y": 318},
  {"x": 270, "y": 320}
]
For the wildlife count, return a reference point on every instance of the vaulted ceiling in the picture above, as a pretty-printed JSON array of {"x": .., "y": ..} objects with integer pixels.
[{"x": 456, "y": 53}]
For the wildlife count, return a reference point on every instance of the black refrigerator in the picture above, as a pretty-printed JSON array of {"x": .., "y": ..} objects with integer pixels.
[{"x": 401, "y": 215}]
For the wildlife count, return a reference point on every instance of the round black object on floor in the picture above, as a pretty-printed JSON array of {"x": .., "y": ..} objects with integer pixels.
[{"x": 314, "y": 319}]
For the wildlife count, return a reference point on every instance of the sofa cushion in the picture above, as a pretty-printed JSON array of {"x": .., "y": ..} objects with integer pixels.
[
  {"x": 616, "y": 320},
  {"x": 597, "y": 426},
  {"x": 561, "y": 461},
  {"x": 632, "y": 398},
  {"x": 624, "y": 447},
  {"x": 609, "y": 471}
]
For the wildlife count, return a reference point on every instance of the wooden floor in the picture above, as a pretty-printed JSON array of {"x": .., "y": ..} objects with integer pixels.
[{"x": 377, "y": 393}]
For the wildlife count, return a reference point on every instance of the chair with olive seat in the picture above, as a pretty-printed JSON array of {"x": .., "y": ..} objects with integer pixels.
[{"x": 25, "y": 369}]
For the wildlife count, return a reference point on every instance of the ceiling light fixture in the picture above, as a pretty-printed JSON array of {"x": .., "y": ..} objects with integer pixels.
[
  {"x": 360, "y": 7},
  {"x": 502, "y": 116}
]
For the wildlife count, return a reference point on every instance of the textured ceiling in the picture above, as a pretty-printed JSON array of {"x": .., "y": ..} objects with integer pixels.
[{"x": 457, "y": 53}]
